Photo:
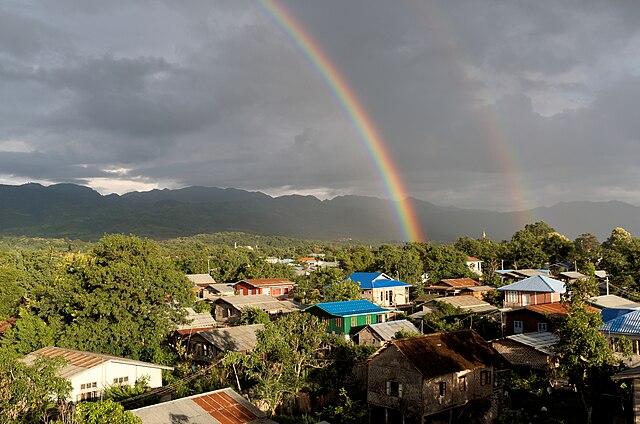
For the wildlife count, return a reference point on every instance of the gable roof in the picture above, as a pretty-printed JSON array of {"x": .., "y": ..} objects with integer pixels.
[
  {"x": 223, "y": 406},
  {"x": 445, "y": 353},
  {"x": 625, "y": 324},
  {"x": 538, "y": 283},
  {"x": 613, "y": 301},
  {"x": 375, "y": 280},
  {"x": 201, "y": 280},
  {"x": 348, "y": 308},
  {"x": 387, "y": 330},
  {"x": 542, "y": 341},
  {"x": 267, "y": 281},
  {"x": 79, "y": 361},
  {"x": 573, "y": 275},
  {"x": 467, "y": 302},
  {"x": 233, "y": 339},
  {"x": 262, "y": 301},
  {"x": 196, "y": 321},
  {"x": 459, "y": 282},
  {"x": 473, "y": 259}
]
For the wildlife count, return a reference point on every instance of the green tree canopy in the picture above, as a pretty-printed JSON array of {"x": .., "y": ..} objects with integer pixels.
[{"x": 122, "y": 298}]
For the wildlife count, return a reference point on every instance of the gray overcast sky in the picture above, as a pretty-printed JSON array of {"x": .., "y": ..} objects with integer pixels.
[{"x": 483, "y": 104}]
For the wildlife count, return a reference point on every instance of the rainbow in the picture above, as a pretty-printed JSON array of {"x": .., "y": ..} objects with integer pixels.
[{"x": 356, "y": 113}]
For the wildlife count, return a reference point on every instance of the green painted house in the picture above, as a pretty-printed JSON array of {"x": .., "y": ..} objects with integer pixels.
[{"x": 348, "y": 317}]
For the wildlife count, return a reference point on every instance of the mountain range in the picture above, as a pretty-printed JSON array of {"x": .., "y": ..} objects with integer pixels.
[{"x": 74, "y": 211}]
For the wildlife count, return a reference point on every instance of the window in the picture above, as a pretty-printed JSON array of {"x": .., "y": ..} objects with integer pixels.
[
  {"x": 462, "y": 383},
  {"x": 339, "y": 322},
  {"x": 512, "y": 297},
  {"x": 442, "y": 389},
  {"x": 368, "y": 319},
  {"x": 120, "y": 381},
  {"x": 485, "y": 378},
  {"x": 542, "y": 326},
  {"x": 354, "y": 321},
  {"x": 380, "y": 318},
  {"x": 381, "y": 296},
  {"x": 517, "y": 327},
  {"x": 394, "y": 389}
]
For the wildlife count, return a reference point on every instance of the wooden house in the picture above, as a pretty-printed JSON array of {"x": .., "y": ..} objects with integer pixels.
[
  {"x": 280, "y": 288},
  {"x": 544, "y": 317},
  {"x": 532, "y": 291},
  {"x": 530, "y": 350},
  {"x": 451, "y": 286},
  {"x": 433, "y": 377},
  {"x": 228, "y": 310},
  {"x": 208, "y": 345},
  {"x": 348, "y": 317}
]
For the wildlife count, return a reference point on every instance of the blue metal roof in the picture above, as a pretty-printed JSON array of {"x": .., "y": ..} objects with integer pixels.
[
  {"x": 348, "y": 308},
  {"x": 609, "y": 314},
  {"x": 539, "y": 283},
  {"x": 375, "y": 280},
  {"x": 627, "y": 324}
]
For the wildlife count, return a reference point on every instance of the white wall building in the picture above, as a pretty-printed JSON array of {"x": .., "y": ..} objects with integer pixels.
[{"x": 91, "y": 373}]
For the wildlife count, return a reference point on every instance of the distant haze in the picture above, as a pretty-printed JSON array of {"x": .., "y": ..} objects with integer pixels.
[{"x": 482, "y": 104}]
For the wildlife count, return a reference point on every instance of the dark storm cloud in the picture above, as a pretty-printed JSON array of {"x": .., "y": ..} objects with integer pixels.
[{"x": 468, "y": 96}]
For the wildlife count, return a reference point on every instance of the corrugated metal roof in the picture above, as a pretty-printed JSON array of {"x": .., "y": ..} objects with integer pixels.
[
  {"x": 262, "y": 301},
  {"x": 349, "y": 308},
  {"x": 387, "y": 330},
  {"x": 459, "y": 282},
  {"x": 199, "y": 279},
  {"x": 541, "y": 340},
  {"x": 521, "y": 355},
  {"x": 233, "y": 339},
  {"x": 479, "y": 288},
  {"x": 467, "y": 302},
  {"x": 613, "y": 301},
  {"x": 538, "y": 283},
  {"x": 267, "y": 281},
  {"x": 223, "y": 406},
  {"x": 197, "y": 320},
  {"x": 225, "y": 289},
  {"x": 79, "y": 361},
  {"x": 625, "y": 324},
  {"x": 375, "y": 280}
]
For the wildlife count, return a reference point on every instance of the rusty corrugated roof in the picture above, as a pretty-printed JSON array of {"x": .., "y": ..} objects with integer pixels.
[{"x": 445, "y": 353}]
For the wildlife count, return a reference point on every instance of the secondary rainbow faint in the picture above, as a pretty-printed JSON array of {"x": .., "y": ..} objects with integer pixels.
[{"x": 357, "y": 114}]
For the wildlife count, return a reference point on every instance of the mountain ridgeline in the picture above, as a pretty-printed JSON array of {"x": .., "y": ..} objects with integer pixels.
[{"x": 73, "y": 211}]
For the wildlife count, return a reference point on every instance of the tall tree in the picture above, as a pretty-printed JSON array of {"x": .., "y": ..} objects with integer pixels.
[
  {"x": 583, "y": 352},
  {"x": 122, "y": 298}
]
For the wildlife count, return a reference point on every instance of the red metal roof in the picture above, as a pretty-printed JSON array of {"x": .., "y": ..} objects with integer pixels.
[
  {"x": 555, "y": 308},
  {"x": 224, "y": 408}
]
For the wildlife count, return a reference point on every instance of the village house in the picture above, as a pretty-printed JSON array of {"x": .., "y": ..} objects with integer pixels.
[
  {"x": 381, "y": 289},
  {"x": 543, "y": 317},
  {"x": 223, "y": 406},
  {"x": 200, "y": 284},
  {"x": 378, "y": 334},
  {"x": 208, "y": 345},
  {"x": 626, "y": 325},
  {"x": 348, "y": 317},
  {"x": 570, "y": 276},
  {"x": 475, "y": 265},
  {"x": 280, "y": 288},
  {"x": 92, "y": 373},
  {"x": 451, "y": 286},
  {"x": 532, "y": 291},
  {"x": 435, "y": 376},
  {"x": 521, "y": 274},
  {"x": 228, "y": 310}
]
